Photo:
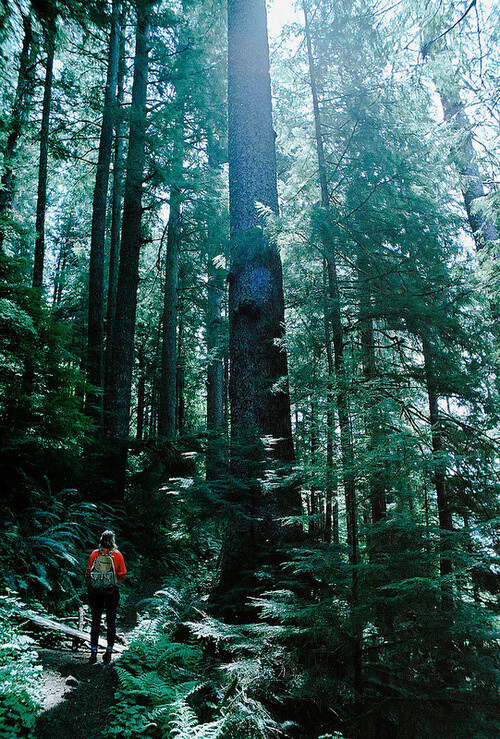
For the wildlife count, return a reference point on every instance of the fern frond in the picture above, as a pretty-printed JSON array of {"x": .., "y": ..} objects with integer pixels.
[
  {"x": 184, "y": 724},
  {"x": 213, "y": 630}
]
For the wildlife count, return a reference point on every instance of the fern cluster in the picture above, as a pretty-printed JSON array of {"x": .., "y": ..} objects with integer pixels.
[
  {"x": 174, "y": 684},
  {"x": 43, "y": 550}
]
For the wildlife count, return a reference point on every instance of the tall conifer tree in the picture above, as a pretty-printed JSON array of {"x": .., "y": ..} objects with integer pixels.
[
  {"x": 258, "y": 389},
  {"x": 122, "y": 358}
]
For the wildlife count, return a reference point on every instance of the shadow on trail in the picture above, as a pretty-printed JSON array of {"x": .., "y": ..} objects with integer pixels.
[{"x": 78, "y": 712}]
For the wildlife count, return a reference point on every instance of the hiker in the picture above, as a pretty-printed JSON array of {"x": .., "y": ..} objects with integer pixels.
[{"x": 106, "y": 568}]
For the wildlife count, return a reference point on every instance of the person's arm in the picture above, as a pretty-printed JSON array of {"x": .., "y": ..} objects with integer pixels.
[
  {"x": 89, "y": 566},
  {"x": 120, "y": 569}
]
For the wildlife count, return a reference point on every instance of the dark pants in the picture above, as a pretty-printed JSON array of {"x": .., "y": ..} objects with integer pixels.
[{"x": 98, "y": 603}]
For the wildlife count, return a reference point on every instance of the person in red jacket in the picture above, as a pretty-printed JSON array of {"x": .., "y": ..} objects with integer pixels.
[{"x": 108, "y": 601}]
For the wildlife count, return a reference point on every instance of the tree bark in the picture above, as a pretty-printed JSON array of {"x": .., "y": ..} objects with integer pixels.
[
  {"x": 41, "y": 203},
  {"x": 128, "y": 276}
]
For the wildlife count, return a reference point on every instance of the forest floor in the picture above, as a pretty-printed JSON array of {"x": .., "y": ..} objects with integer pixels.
[{"x": 75, "y": 696}]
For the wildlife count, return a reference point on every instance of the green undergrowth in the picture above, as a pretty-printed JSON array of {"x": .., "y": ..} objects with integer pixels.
[
  {"x": 19, "y": 675},
  {"x": 429, "y": 665},
  {"x": 188, "y": 676}
]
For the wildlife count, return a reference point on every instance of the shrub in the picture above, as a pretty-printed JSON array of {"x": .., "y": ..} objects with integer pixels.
[{"x": 19, "y": 675}]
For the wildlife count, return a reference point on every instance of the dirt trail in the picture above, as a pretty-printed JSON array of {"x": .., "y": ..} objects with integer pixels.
[
  {"x": 77, "y": 696},
  {"x": 78, "y": 710}
]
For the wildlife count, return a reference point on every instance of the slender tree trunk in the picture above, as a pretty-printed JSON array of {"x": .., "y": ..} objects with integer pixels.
[
  {"x": 215, "y": 368},
  {"x": 181, "y": 377},
  {"x": 59, "y": 276},
  {"x": 116, "y": 209},
  {"x": 444, "y": 511},
  {"x": 215, "y": 365},
  {"x": 332, "y": 510},
  {"x": 128, "y": 276},
  {"x": 20, "y": 110},
  {"x": 141, "y": 397},
  {"x": 41, "y": 203},
  {"x": 95, "y": 335},
  {"x": 61, "y": 265},
  {"x": 256, "y": 303},
  {"x": 316, "y": 522},
  {"x": 167, "y": 401},
  {"x": 374, "y": 423},
  {"x": 332, "y": 533},
  {"x": 342, "y": 397}
]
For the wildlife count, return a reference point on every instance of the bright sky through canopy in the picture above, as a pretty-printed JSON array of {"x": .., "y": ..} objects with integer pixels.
[{"x": 279, "y": 12}]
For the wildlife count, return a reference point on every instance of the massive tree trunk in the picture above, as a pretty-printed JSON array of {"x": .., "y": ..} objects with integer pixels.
[
  {"x": 95, "y": 335},
  {"x": 41, "y": 203},
  {"x": 122, "y": 360},
  {"x": 20, "y": 110},
  {"x": 260, "y": 405},
  {"x": 256, "y": 304}
]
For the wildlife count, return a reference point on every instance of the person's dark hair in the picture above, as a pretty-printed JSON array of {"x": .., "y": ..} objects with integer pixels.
[{"x": 107, "y": 540}]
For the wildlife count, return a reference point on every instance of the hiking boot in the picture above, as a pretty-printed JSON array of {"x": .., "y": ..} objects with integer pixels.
[
  {"x": 106, "y": 657},
  {"x": 93, "y": 657}
]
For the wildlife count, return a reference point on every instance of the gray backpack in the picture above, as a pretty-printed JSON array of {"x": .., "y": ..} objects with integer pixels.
[{"x": 102, "y": 574}]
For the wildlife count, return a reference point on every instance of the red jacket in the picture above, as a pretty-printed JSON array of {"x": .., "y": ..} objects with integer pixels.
[{"x": 118, "y": 561}]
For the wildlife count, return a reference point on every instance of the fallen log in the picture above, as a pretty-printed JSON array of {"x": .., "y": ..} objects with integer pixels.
[{"x": 51, "y": 625}]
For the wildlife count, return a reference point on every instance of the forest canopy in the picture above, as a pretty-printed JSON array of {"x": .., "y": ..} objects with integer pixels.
[{"x": 249, "y": 293}]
